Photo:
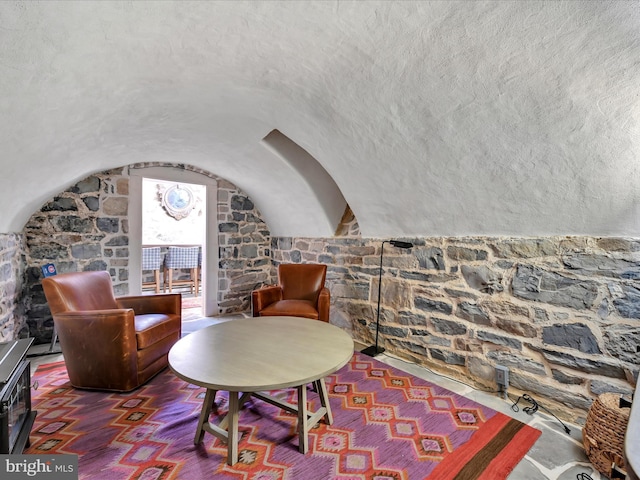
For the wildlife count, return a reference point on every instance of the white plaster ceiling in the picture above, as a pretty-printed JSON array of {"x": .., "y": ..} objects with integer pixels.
[{"x": 429, "y": 118}]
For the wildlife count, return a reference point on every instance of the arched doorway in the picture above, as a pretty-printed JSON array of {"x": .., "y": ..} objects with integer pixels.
[{"x": 210, "y": 242}]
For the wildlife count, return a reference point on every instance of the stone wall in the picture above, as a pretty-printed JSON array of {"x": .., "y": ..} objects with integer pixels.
[
  {"x": 13, "y": 323},
  {"x": 86, "y": 228},
  {"x": 83, "y": 228},
  {"x": 561, "y": 313},
  {"x": 244, "y": 249}
]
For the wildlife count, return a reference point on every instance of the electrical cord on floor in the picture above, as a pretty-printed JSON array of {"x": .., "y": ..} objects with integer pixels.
[
  {"x": 534, "y": 408},
  {"x": 446, "y": 377},
  {"x": 583, "y": 476}
]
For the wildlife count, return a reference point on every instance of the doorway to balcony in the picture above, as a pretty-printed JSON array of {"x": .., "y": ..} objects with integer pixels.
[{"x": 171, "y": 207}]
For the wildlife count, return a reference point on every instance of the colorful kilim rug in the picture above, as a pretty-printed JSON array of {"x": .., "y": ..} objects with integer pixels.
[{"x": 388, "y": 425}]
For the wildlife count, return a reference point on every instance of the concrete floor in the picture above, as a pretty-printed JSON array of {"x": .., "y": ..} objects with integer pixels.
[{"x": 555, "y": 456}]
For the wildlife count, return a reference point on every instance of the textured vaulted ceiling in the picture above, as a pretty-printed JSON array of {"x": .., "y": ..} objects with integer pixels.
[{"x": 427, "y": 118}]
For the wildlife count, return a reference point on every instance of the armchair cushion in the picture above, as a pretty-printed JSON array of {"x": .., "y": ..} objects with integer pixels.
[
  {"x": 292, "y": 308},
  {"x": 153, "y": 315}
]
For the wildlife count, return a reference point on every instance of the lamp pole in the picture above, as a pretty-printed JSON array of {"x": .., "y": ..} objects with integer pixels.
[{"x": 374, "y": 350}]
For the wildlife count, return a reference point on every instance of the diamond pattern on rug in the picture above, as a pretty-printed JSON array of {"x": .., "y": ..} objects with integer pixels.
[{"x": 387, "y": 425}]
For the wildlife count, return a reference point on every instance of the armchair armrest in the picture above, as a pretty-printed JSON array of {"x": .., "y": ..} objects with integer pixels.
[
  {"x": 324, "y": 300},
  {"x": 142, "y": 304},
  {"x": 97, "y": 324},
  {"x": 264, "y": 297},
  {"x": 93, "y": 341}
]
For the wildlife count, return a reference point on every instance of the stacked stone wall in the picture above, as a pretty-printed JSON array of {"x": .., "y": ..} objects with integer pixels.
[
  {"x": 562, "y": 313},
  {"x": 86, "y": 228},
  {"x": 244, "y": 249},
  {"x": 13, "y": 323},
  {"x": 83, "y": 228}
]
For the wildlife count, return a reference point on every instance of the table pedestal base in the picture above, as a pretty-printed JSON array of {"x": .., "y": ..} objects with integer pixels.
[{"x": 227, "y": 430}]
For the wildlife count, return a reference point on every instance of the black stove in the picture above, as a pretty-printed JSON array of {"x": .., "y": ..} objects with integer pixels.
[{"x": 16, "y": 416}]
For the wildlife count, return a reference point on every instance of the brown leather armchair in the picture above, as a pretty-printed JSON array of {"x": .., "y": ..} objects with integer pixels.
[
  {"x": 300, "y": 293},
  {"x": 108, "y": 343}
]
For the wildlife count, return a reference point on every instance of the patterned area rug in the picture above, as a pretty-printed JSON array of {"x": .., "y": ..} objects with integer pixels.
[{"x": 388, "y": 425}]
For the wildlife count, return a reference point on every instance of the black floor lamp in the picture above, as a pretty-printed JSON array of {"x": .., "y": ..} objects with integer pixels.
[{"x": 374, "y": 350}]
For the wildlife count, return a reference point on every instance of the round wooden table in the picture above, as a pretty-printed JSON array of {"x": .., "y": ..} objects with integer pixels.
[{"x": 255, "y": 355}]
